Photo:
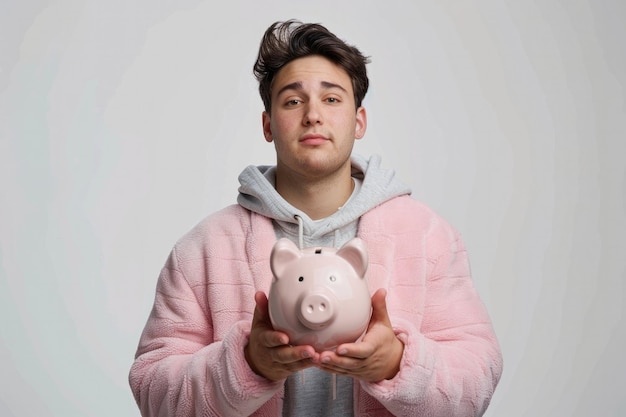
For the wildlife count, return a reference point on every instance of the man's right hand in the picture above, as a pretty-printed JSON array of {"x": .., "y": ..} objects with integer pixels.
[{"x": 268, "y": 351}]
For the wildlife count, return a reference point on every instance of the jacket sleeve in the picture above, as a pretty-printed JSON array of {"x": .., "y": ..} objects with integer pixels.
[
  {"x": 452, "y": 361},
  {"x": 179, "y": 370}
]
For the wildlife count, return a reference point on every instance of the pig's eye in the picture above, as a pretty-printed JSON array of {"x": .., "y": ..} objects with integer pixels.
[
  {"x": 301, "y": 279},
  {"x": 332, "y": 278}
]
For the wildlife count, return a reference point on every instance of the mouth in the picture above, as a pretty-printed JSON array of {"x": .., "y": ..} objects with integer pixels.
[{"x": 313, "y": 139}]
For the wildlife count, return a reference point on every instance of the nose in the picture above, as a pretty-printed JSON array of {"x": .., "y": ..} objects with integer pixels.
[
  {"x": 312, "y": 115},
  {"x": 316, "y": 310}
]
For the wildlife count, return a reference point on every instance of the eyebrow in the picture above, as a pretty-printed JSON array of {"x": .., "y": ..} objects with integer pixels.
[{"x": 298, "y": 86}]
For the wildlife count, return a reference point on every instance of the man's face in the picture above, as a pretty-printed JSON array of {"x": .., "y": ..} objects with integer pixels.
[{"x": 313, "y": 120}]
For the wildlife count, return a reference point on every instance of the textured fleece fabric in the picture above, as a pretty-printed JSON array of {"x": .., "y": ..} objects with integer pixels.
[{"x": 190, "y": 359}]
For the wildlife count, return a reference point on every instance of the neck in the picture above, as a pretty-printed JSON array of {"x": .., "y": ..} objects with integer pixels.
[{"x": 317, "y": 198}]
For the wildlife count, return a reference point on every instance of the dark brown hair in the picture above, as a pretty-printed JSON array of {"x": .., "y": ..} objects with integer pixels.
[{"x": 285, "y": 41}]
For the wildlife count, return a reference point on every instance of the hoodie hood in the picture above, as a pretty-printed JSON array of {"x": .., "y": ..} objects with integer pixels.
[{"x": 257, "y": 193}]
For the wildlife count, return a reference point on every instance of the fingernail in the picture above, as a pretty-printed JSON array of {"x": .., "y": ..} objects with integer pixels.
[
  {"x": 306, "y": 354},
  {"x": 343, "y": 351},
  {"x": 325, "y": 360}
]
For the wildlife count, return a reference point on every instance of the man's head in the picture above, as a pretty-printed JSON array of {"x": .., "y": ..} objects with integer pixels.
[{"x": 286, "y": 41}]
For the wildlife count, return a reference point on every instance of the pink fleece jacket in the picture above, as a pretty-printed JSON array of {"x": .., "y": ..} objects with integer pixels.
[{"x": 190, "y": 360}]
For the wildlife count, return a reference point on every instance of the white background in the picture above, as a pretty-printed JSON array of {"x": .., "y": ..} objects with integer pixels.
[{"x": 123, "y": 123}]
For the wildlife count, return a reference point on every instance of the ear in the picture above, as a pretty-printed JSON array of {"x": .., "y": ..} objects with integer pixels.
[
  {"x": 283, "y": 252},
  {"x": 355, "y": 252},
  {"x": 267, "y": 130},
  {"x": 361, "y": 123}
]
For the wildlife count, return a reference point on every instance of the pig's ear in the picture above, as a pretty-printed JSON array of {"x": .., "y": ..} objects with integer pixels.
[
  {"x": 283, "y": 252},
  {"x": 355, "y": 252}
]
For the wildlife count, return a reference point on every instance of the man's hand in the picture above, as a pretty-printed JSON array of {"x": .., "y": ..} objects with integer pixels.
[
  {"x": 268, "y": 351},
  {"x": 376, "y": 357}
]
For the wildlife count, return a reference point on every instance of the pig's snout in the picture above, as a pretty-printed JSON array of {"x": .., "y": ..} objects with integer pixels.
[{"x": 317, "y": 310}]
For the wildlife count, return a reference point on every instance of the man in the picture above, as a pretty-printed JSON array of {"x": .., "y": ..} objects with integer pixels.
[{"x": 209, "y": 348}]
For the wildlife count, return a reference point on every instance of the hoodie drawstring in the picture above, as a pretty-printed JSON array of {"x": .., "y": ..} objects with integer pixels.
[
  {"x": 333, "y": 376},
  {"x": 300, "y": 231}
]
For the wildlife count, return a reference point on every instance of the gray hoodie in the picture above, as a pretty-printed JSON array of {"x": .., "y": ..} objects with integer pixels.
[
  {"x": 311, "y": 393},
  {"x": 373, "y": 185}
]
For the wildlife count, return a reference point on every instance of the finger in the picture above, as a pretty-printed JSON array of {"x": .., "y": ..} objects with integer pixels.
[
  {"x": 273, "y": 339},
  {"x": 294, "y": 355},
  {"x": 379, "y": 307},
  {"x": 332, "y": 359},
  {"x": 360, "y": 350},
  {"x": 267, "y": 337},
  {"x": 343, "y": 366},
  {"x": 261, "y": 310}
]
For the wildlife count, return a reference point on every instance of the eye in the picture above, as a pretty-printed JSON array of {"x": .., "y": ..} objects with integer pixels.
[
  {"x": 301, "y": 279},
  {"x": 332, "y": 100},
  {"x": 332, "y": 278},
  {"x": 293, "y": 102}
]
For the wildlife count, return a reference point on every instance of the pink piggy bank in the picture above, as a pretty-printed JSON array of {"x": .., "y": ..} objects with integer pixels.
[{"x": 319, "y": 296}]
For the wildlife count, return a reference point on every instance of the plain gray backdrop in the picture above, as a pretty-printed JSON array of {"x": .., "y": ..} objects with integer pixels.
[{"x": 124, "y": 123}]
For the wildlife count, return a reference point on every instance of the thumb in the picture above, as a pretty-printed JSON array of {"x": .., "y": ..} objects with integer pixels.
[
  {"x": 379, "y": 307},
  {"x": 261, "y": 313}
]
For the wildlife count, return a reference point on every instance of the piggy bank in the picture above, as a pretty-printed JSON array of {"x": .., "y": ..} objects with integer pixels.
[{"x": 319, "y": 296}]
